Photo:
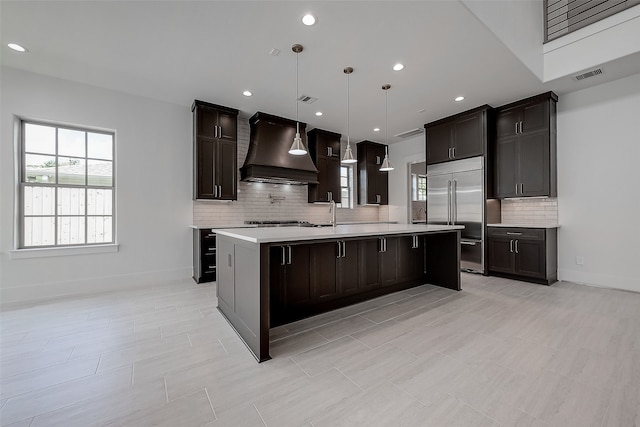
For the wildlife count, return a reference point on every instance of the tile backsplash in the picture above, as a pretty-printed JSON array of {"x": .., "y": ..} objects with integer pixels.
[
  {"x": 262, "y": 201},
  {"x": 530, "y": 211}
]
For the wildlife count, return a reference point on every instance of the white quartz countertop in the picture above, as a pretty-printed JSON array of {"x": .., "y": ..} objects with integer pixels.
[
  {"x": 286, "y": 234},
  {"x": 215, "y": 227},
  {"x": 521, "y": 225},
  {"x": 242, "y": 225}
]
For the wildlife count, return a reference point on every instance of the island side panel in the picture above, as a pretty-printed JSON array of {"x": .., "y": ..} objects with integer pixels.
[
  {"x": 443, "y": 259},
  {"x": 241, "y": 298}
]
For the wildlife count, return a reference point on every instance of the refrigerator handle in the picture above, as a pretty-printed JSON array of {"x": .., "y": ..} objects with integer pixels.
[
  {"x": 449, "y": 202},
  {"x": 454, "y": 195}
]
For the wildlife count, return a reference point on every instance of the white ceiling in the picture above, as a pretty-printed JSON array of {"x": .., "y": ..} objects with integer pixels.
[{"x": 180, "y": 51}]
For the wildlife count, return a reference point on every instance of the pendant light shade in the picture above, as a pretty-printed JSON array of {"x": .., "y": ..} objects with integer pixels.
[
  {"x": 386, "y": 163},
  {"x": 348, "y": 153},
  {"x": 297, "y": 148}
]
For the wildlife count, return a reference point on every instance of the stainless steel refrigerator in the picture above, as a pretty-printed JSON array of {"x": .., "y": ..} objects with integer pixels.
[{"x": 456, "y": 196}]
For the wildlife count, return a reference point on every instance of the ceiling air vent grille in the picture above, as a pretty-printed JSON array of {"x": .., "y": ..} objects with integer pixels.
[
  {"x": 307, "y": 99},
  {"x": 588, "y": 74},
  {"x": 409, "y": 133}
]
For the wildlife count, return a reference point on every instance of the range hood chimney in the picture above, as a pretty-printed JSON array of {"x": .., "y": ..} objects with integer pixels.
[{"x": 268, "y": 158}]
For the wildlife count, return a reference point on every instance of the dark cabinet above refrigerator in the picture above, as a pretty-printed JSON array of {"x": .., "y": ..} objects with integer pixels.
[{"x": 461, "y": 136}]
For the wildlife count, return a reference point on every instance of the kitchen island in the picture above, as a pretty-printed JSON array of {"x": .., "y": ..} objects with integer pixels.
[{"x": 272, "y": 276}]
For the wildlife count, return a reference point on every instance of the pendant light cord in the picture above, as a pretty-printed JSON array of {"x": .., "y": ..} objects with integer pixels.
[
  {"x": 348, "y": 106},
  {"x": 386, "y": 116},
  {"x": 297, "y": 72}
]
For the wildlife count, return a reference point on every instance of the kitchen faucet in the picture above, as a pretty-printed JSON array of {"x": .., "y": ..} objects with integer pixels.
[{"x": 332, "y": 211}]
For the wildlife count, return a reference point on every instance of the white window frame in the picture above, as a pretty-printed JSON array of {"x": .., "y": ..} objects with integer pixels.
[
  {"x": 350, "y": 187},
  {"x": 60, "y": 249}
]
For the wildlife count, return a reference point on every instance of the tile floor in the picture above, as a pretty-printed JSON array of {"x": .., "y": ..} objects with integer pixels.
[{"x": 500, "y": 352}]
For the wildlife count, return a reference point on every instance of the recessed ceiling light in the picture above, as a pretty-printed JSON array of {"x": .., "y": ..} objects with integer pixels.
[
  {"x": 247, "y": 93},
  {"x": 17, "y": 47},
  {"x": 459, "y": 98},
  {"x": 398, "y": 67},
  {"x": 376, "y": 129},
  {"x": 318, "y": 113},
  {"x": 308, "y": 19}
]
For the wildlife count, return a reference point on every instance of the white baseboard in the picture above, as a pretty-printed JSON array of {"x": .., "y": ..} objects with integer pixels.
[
  {"x": 600, "y": 280},
  {"x": 41, "y": 292}
]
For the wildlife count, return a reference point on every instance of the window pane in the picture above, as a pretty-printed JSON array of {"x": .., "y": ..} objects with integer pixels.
[
  {"x": 99, "y": 229},
  {"x": 100, "y": 173},
  {"x": 39, "y": 231},
  {"x": 71, "y": 143},
  {"x": 70, "y": 230},
  {"x": 99, "y": 202},
  {"x": 39, "y": 139},
  {"x": 40, "y": 168},
  {"x": 39, "y": 200},
  {"x": 71, "y": 201},
  {"x": 71, "y": 171},
  {"x": 100, "y": 146}
]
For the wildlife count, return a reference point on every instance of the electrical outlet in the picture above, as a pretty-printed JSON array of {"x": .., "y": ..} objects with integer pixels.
[{"x": 579, "y": 260}]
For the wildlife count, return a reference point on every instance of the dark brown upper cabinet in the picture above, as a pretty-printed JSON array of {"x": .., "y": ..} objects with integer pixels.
[
  {"x": 460, "y": 136},
  {"x": 526, "y": 148},
  {"x": 324, "y": 148},
  {"x": 373, "y": 185},
  {"x": 215, "y": 147}
]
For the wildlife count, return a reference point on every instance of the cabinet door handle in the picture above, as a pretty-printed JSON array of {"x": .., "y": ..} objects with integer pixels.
[
  {"x": 284, "y": 256},
  {"x": 329, "y": 151},
  {"x": 339, "y": 250},
  {"x": 521, "y": 188},
  {"x": 229, "y": 259},
  {"x": 511, "y": 246},
  {"x": 516, "y": 246},
  {"x": 381, "y": 240},
  {"x": 344, "y": 249},
  {"x": 516, "y": 189},
  {"x": 521, "y": 131},
  {"x": 329, "y": 196},
  {"x": 453, "y": 152},
  {"x": 289, "y": 250}
]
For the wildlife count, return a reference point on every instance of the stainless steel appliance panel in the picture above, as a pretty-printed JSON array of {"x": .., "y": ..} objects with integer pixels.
[
  {"x": 456, "y": 196},
  {"x": 439, "y": 199},
  {"x": 468, "y": 203}
]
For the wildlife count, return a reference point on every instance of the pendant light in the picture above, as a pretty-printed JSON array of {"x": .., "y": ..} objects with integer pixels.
[
  {"x": 386, "y": 164},
  {"x": 348, "y": 153},
  {"x": 297, "y": 148}
]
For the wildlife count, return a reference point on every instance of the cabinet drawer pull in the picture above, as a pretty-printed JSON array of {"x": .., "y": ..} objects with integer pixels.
[{"x": 513, "y": 233}]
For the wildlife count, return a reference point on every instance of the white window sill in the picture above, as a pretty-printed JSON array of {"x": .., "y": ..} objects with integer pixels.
[{"x": 63, "y": 251}]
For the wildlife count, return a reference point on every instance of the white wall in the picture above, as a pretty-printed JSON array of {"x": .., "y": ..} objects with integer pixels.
[
  {"x": 518, "y": 24},
  {"x": 599, "y": 184},
  {"x": 153, "y": 177},
  {"x": 401, "y": 154}
]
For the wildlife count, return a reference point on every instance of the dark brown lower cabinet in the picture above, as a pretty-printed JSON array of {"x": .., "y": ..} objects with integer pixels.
[
  {"x": 307, "y": 279},
  {"x": 204, "y": 255},
  {"x": 528, "y": 254},
  {"x": 290, "y": 276}
]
